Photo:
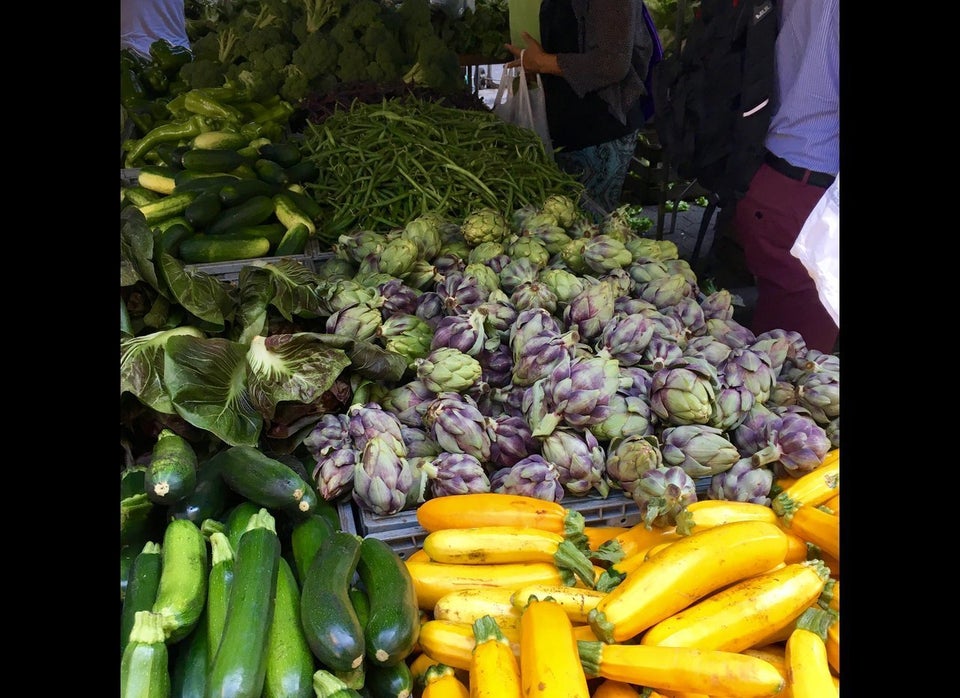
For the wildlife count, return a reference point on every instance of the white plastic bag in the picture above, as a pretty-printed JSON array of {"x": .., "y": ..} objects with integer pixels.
[
  {"x": 524, "y": 105},
  {"x": 818, "y": 247}
]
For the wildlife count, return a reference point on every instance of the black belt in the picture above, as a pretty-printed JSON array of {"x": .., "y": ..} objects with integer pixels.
[{"x": 817, "y": 179}]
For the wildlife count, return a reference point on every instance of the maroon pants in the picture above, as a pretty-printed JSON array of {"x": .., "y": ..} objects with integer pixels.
[{"x": 767, "y": 222}]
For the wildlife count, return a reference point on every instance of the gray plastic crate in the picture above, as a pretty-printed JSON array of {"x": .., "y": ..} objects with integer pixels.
[{"x": 230, "y": 271}]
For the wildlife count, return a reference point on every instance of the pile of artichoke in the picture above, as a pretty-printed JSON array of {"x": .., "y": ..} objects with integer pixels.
[{"x": 551, "y": 355}]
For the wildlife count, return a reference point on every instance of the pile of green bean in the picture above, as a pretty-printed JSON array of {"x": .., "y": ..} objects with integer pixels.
[{"x": 383, "y": 164}]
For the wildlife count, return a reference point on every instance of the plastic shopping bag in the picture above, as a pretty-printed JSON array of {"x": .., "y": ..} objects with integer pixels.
[
  {"x": 818, "y": 247},
  {"x": 524, "y": 105}
]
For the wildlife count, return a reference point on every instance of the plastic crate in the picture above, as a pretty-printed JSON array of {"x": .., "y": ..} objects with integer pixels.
[{"x": 230, "y": 271}]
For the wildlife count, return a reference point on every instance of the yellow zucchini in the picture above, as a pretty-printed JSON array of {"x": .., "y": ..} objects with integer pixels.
[
  {"x": 815, "y": 526},
  {"x": 640, "y": 538},
  {"x": 808, "y": 670},
  {"x": 833, "y": 504},
  {"x": 549, "y": 662},
  {"x": 576, "y": 602},
  {"x": 488, "y": 545},
  {"x": 490, "y": 509},
  {"x": 452, "y": 643},
  {"x": 419, "y": 665},
  {"x": 609, "y": 688},
  {"x": 684, "y": 572},
  {"x": 688, "y": 669},
  {"x": 433, "y": 580},
  {"x": 441, "y": 682},
  {"x": 467, "y": 605},
  {"x": 833, "y": 646},
  {"x": 708, "y": 513},
  {"x": 418, "y": 555},
  {"x": 494, "y": 669},
  {"x": 811, "y": 489},
  {"x": 598, "y": 535},
  {"x": 739, "y": 616},
  {"x": 796, "y": 549}
]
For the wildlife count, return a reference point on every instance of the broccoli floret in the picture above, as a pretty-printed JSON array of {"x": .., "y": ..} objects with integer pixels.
[
  {"x": 317, "y": 56},
  {"x": 296, "y": 85},
  {"x": 206, "y": 47},
  {"x": 352, "y": 66},
  {"x": 352, "y": 25},
  {"x": 257, "y": 41},
  {"x": 202, "y": 72},
  {"x": 388, "y": 60},
  {"x": 437, "y": 66},
  {"x": 416, "y": 24},
  {"x": 263, "y": 74}
]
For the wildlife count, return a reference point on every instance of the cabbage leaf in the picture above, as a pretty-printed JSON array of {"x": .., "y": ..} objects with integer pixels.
[{"x": 141, "y": 367}]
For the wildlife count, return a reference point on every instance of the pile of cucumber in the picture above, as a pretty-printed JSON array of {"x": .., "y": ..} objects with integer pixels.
[
  {"x": 237, "y": 580},
  {"x": 224, "y": 197}
]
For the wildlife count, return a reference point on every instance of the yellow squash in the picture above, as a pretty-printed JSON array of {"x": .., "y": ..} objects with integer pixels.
[
  {"x": 810, "y": 489},
  {"x": 494, "y": 669},
  {"x": 833, "y": 646},
  {"x": 419, "y": 665},
  {"x": 467, "y": 605},
  {"x": 686, "y": 669},
  {"x": 808, "y": 670},
  {"x": 452, "y": 643},
  {"x": 684, "y": 572},
  {"x": 598, "y": 535},
  {"x": 549, "y": 662},
  {"x": 491, "y": 545},
  {"x": 433, "y": 580},
  {"x": 709, "y": 513},
  {"x": 441, "y": 682},
  {"x": 490, "y": 509},
  {"x": 739, "y": 616},
  {"x": 815, "y": 526},
  {"x": 639, "y": 538},
  {"x": 576, "y": 602},
  {"x": 609, "y": 688}
]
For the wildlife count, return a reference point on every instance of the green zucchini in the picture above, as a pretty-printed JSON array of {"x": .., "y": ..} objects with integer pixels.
[
  {"x": 284, "y": 154},
  {"x": 290, "y": 663},
  {"x": 209, "y": 182},
  {"x": 143, "y": 580},
  {"x": 293, "y": 241},
  {"x": 361, "y": 603},
  {"x": 330, "y": 622},
  {"x": 209, "y": 249},
  {"x": 211, "y": 160},
  {"x": 306, "y": 539},
  {"x": 190, "y": 664},
  {"x": 270, "y": 171},
  {"x": 255, "y": 210},
  {"x": 239, "y": 664},
  {"x": 182, "y": 593},
  {"x": 144, "y": 670},
  {"x": 266, "y": 481},
  {"x": 219, "y": 582},
  {"x": 156, "y": 178},
  {"x": 219, "y": 140},
  {"x": 326, "y": 684},
  {"x": 289, "y": 213},
  {"x": 393, "y": 628},
  {"x": 128, "y": 553},
  {"x": 204, "y": 209},
  {"x": 303, "y": 171},
  {"x": 208, "y": 500},
  {"x": 237, "y": 192},
  {"x": 167, "y": 207},
  {"x": 390, "y": 681},
  {"x": 237, "y": 521},
  {"x": 172, "y": 472}
]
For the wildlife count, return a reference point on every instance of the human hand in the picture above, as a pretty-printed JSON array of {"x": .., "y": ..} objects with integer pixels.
[{"x": 529, "y": 58}]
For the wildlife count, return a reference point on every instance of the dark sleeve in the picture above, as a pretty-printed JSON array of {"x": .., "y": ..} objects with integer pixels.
[{"x": 608, "y": 47}]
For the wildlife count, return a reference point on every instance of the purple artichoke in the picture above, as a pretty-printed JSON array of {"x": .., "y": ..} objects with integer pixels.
[
  {"x": 700, "y": 450},
  {"x": 629, "y": 414},
  {"x": 580, "y": 460},
  {"x": 744, "y": 368},
  {"x": 511, "y": 440},
  {"x": 743, "y": 482},
  {"x": 718, "y": 304},
  {"x": 626, "y": 337},
  {"x": 382, "y": 479},
  {"x": 398, "y": 298},
  {"x": 460, "y": 293},
  {"x": 334, "y": 472},
  {"x": 684, "y": 392},
  {"x": 577, "y": 392},
  {"x": 464, "y": 332},
  {"x": 662, "y": 494},
  {"x": 458, "y": 426},
  {"x": 456, "y": 473},
  {"x": 370, "y": 420},
  {"x": 630, "y": 457},
  {"x": 795, "y": 444},
  {"x": 590, "y": 311},
  {"x": 534, "y": 476},
  {"x": 329, "y": 434},
  {"x": 408, "y": 402}
]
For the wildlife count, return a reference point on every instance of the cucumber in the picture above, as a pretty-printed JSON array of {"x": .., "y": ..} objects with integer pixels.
[
  {"x": 330, "y": 622},
  {"x": 159, "y": 179},
  {"x": 390, "y": 682},
  {"x": 219, "y": 582},
  {"x": 170, "y": 239},
  {"x": 306, "y": 539},
  {"x": 393, "y": 628},
  {"x": 290, "y": 214},
  {"x": 208, "y": 249},
  {"x": 213, "y": 182},
  {"x": 239, "y": 191},
  {"x": 284, "y": 154},
  {"x": 303, "y": 171},
  {"x": 172, "y": 472},
  {"x": 143, "y": 580},
  {"x": 171, "y": 154},
  {"x": 237, "y": 521},
  {"x": 219, "y": 140},
  {"x": 167, "y": 207},
  {"x": 270, "y": 171},
  {"x": 188, "y": 673},
  {"x": 267, "y": 481},
  {"x": 305, "y": 202},
  {"x": 161, "y": 227},
  {"x": 207, "y": 501},
  {"x": 203, "y": 210},
  {"x": 273, "y": 232},
  {"x": 290, "y": 663},
  {"x": 239, "y": 664},
  {"x": 254, "y": 211},
  {"x": 182, "y": 593},
  {"x": 293, "y": 241},
  {"x": 190, "y": 179},
  {"x": 143, "y": 668},
  {"x": 213, "y": 160}
]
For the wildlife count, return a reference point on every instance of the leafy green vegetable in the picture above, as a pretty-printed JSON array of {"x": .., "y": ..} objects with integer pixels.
[
  {"x": 203, "y": 295},
  {"x": 141, "y": 367}
]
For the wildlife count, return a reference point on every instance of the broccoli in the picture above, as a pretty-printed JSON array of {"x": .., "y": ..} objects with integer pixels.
[
  {"x": 259, "y": 40},
  {"x": 296, "y": 85},
  {"x": 316, "y": 13},
  {"x": 202, "y": 72},
  {"x": 437, "y": 66},
  {"x": 317, "y": 56},
  {"x": 388, "y": 62},
  {"x": 416, "y": 24},
  {"x": 207, "y": 47},
  {"x": 352, "y": 25},
  {"x": 352, "y": 66},
  {"x": 262, "y": 74}
]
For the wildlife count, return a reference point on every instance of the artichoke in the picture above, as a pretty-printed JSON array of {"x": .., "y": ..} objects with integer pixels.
[
  {"x": 406, "y": 335},
  {"x": 528, "y": 247},
  {"x": 511, "y": 440},
  {"x": 383, "y": 480},
  {"x": 398, "y": 298},
  {"x": 424, "y": 231},
  {"x": 665, "y": 291},
  {"x": 534, "y": 476},
  {"x": 329, "y": 434},
  {"x": 684, "y": 392},
  {"x": 398, "y": 257},
  {"x": 446, "y": 369},
  {"x": 577, "y": 391},
  {"x": 496, "y": 366},
  {"x": 590, "y": 311},
  {"x": 408, "y": 402},
  {"x": 484, "y": 252},
  {"x": 659, "y": 353},
  {"x": 562, "y": 208},
  {"x": 359, "y": 321},
  {"x": 707, "y": 348},
  {"x": 464, "y": 332},
  {"x": 718, "y": 304},
  {"x": 662, "y": 494},
  {"x": 795, "y": 444},
  {"x": 630, "y": 457},
  {"x": 533, "y": 294},
  {"x": 460, "y": 293},
  {"x": 700, "y": 450},
  {"x": 564, "y": 284},
  {"x": 629, "y": 414},
  {"x": 457, "y": 425},
  {"x": 430, "y": 308},
  {"x": 456, "y": 473},
  {"x": 419, "y": 443},
  {"x": 819, "y": 392},
  {"x": 369, "y": 420},
  {"x": 580, "y": 460},
  {"x": 334, "y": 472},
  {"x": 626, "y": 337},
  {"x": 743, "y": 482},
  {"x": 484, "y": 225},
  {"x": 536, "y": 357}
]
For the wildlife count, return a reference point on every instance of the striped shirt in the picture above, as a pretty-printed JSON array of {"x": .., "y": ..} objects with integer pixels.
[{"x": 805, "y": 129}]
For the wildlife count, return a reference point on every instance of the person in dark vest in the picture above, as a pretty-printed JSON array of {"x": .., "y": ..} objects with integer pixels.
[
  {"x": 802, "y": 160},
  {"x": 593, "y": 58}
]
